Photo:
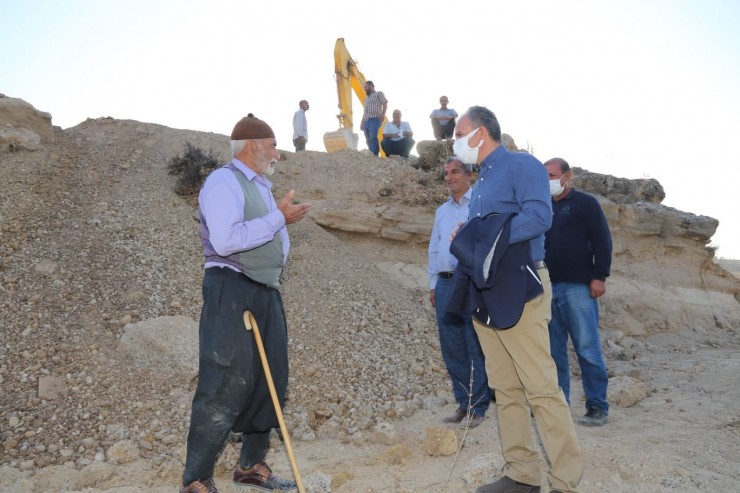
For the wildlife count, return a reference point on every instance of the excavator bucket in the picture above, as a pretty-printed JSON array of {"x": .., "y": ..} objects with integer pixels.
[{"x": 340, "y": 139}]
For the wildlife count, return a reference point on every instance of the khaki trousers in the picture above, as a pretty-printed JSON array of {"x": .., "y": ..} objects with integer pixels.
[{"x": 524, "y": 376}]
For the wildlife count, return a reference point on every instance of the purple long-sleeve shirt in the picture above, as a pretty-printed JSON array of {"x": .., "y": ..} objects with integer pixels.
[{"x": 221, "y": 202}]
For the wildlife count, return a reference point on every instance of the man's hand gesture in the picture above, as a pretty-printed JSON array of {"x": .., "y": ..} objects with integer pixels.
[{"x": 292, "y": 212}]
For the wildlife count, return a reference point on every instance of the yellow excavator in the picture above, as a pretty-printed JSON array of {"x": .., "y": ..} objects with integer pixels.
[{"x": 349, "y": 78}]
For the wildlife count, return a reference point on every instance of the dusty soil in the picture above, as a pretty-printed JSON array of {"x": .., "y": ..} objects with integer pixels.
[{"x": 93, "y": 238}]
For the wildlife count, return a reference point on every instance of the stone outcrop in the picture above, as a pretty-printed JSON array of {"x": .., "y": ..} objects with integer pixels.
[
  {"x": 407, "y": 224},
  {"x": 664, "y": 277},
  {"x": 22, "y": 126}
]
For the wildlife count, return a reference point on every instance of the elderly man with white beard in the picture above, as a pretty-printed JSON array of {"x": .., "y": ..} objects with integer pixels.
[{"x": 245, "y": 243}]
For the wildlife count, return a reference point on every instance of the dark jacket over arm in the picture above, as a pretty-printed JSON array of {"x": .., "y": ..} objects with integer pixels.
[{"x": 493, "y": 279}]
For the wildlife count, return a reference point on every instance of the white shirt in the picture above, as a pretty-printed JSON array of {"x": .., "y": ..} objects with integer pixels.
[
  {"x": 391, "y": 128},
  {"x": 300, "y": 125}
]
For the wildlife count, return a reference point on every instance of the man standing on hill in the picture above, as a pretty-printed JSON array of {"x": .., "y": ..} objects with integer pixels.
[
  {"x": 375, "y": 107},
  {"x": 518, "y": 360},
  {"x": 443, "y": 120},
  {"x": 460, "y": 347},
  {"x": 246, "y": 245},
  {"x": 579, "y": 256},
  {"x": 300, "y": 127}
]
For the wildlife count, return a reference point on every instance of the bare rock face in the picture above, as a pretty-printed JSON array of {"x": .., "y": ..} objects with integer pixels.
[
  {"x": 664, "y": 277},
  {"x": 619, "y": 190},
  {"x": 22, "y": 126},
  {"x": 389, "y": 222}
]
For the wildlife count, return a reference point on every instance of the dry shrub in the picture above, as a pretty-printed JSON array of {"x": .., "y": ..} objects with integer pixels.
[{"x": 192, "y": 168}]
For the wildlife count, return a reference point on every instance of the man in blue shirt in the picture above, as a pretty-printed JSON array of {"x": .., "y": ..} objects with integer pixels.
[
  {"x": 518, "y": 360},
  {"x": 579, "y": 256},
  {"x": 457, "y": 340}
]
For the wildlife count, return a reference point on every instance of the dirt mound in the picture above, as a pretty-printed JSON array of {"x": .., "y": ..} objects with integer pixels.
[{"x": 94, "y": 238}]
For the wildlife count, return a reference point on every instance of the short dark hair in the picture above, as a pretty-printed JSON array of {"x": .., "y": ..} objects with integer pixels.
[
  {"x": 468, "y": 168},
  {"x": 370, "y": 82},
  {"x": 481, "y": 116},
  {"x": 564, "y": 166}
]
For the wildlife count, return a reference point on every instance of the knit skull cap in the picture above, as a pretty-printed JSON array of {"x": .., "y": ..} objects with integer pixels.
[{"x": 250, "y": 127}]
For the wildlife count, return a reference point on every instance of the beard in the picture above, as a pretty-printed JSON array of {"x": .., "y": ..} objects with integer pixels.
[{"x": 270, "y": 169}]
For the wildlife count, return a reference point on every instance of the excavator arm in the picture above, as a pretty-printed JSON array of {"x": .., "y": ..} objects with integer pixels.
[{"x": 349, "y": 79}]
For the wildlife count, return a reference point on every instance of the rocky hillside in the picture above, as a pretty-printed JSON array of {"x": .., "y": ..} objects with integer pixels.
[{"x": 100, "y": 292}]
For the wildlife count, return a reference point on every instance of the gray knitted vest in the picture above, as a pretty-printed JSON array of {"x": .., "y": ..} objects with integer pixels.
[{"x": 263, "y": 264}]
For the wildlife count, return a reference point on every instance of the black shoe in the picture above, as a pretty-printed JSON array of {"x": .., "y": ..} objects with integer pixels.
[
  {"x": 594, "y": 417},
  {"x": 474, "y": 421},
  {"x": 508, "y": 485},
  {"x": 459, "y": 415}
]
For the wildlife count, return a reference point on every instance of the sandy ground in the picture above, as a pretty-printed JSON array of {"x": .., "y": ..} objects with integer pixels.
[{"x": 111, "y": 199}]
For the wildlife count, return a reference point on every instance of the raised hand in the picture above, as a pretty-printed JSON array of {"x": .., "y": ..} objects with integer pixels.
[{"x": 292, "y": 212}]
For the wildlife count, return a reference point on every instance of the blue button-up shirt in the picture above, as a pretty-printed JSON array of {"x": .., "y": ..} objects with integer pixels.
[
  {"x": 515, "y": 182},
  {"x": 448, "y": 217}
]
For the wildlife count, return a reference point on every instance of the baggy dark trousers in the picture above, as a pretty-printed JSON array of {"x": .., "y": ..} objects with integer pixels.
[{"x": 232, "y": 392}]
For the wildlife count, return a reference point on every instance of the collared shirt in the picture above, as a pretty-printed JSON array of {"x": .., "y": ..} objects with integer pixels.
[
  {"x": 443, "y": 115},
  {"x": 515, "y": 182},
  {"x": 222, "y": 202},
  {"x": 300, "y": 125},
  {"x": 374, "y": 106},
  {"x": 448, "y": 216},
  {"x": 391, "y": 128}
]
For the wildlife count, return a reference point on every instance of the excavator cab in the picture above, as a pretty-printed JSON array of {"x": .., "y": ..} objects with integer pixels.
[{"x": 349, "y": 79}]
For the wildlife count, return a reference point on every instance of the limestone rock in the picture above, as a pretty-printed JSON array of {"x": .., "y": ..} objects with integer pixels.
[
  {"x": 619, "y": 190},
  {"x": 440, "y": 442},
  {"x": 168, "y": 342},
  {"x": 93, "y": 474},
  {"x": 318, "y": 482},
  {"x": 123, "y": 452},
  {"x": 17, "y": 116},
  {"x": 384, "y": 433},
  {"x": 51, "y": 387},
  {"x": 625, "y": 391},
  {"x": 45, "y": 266},
  {"x": 405, "y": 224},
  {"x": 14, "y": 139}
]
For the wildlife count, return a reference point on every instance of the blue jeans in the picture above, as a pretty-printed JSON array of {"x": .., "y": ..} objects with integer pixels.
[
  {"x": 576, "y": 314},
  {"x": 460, "y": 350},
  {"x": 371, "y": 135}
]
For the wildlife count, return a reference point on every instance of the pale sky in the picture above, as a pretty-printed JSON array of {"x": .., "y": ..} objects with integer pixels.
[{"x": 629, "y": 88}]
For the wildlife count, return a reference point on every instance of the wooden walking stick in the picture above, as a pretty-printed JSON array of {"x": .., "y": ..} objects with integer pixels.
[{"x": 251, "y": 324}]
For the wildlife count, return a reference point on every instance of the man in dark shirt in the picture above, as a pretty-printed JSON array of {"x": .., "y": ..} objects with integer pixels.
[{"x": 578, "y": 255}]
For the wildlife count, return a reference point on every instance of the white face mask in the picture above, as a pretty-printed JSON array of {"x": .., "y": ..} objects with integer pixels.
[
  {"x": 556, "y": 188},
  {"x": 464, "y": 152}
]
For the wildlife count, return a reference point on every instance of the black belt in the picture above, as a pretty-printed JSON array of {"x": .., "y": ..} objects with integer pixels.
[
  {"x": 225, "y": 271},
  {"x": 540, "y": 264}
]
